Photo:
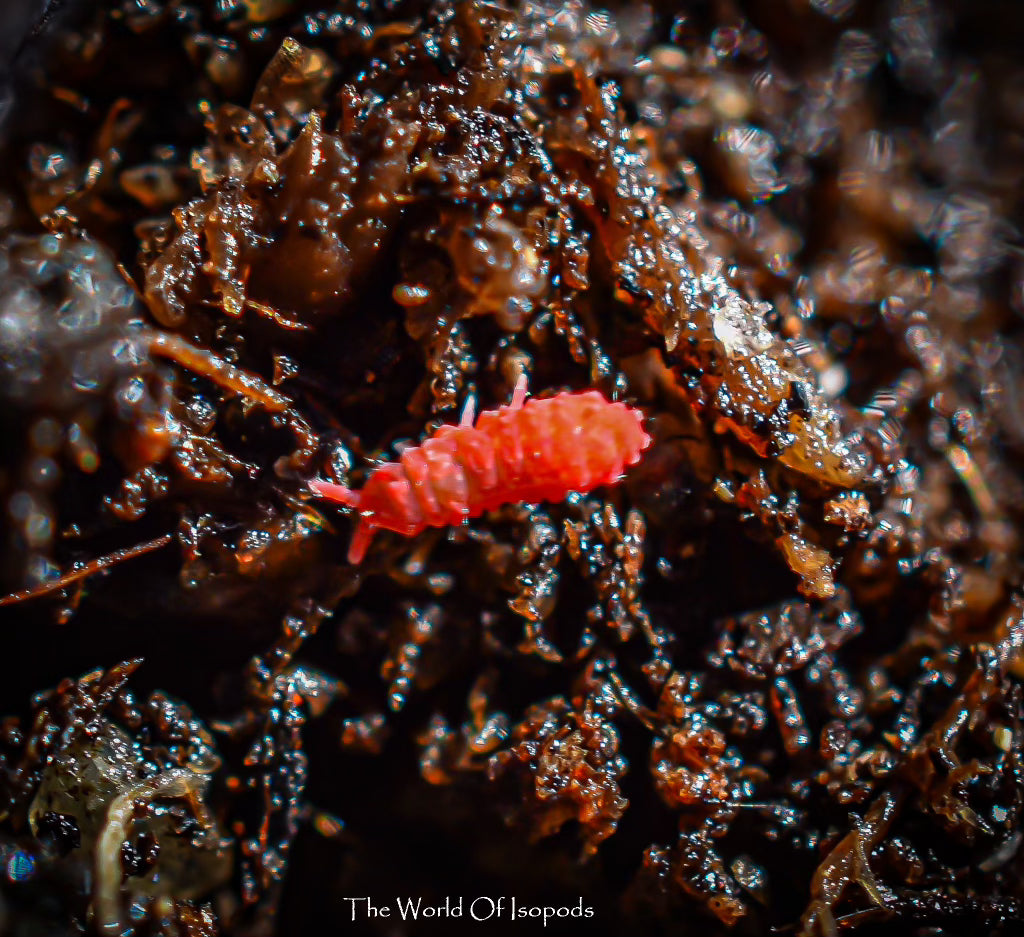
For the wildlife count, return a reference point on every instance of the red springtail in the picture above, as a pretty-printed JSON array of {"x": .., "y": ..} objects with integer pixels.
[{"x": 530, "y": 450}]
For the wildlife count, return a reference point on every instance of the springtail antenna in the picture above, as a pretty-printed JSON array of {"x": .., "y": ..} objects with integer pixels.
[
  {"x": 468, "y": 411},
  {"x": 360, "y": 541},
  {"x": 338, "y": 493},
  {"x": 520, "y": 392}
]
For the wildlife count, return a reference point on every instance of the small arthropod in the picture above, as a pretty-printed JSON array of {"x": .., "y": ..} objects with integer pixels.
[{"x": 529, "y": 450}]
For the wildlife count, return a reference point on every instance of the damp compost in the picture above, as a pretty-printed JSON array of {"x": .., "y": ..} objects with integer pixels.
[{"x": 767, "y": 680}]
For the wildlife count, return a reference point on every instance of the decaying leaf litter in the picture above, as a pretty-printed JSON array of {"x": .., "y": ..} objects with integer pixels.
[{"x": 768, "y": 680}]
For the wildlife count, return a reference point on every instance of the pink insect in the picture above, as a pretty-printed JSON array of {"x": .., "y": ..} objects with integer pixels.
[{"x": 529, "y": 450}]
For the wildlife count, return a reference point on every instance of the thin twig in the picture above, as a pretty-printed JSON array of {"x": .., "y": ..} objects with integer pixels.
[{"x": 93, "y": 566}]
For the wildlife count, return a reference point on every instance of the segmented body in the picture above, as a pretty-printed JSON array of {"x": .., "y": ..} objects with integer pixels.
[{"x": 537, "y": 450}]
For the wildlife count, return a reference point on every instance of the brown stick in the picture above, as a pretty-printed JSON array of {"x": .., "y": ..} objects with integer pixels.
[{"x": 93, "y": 566}]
